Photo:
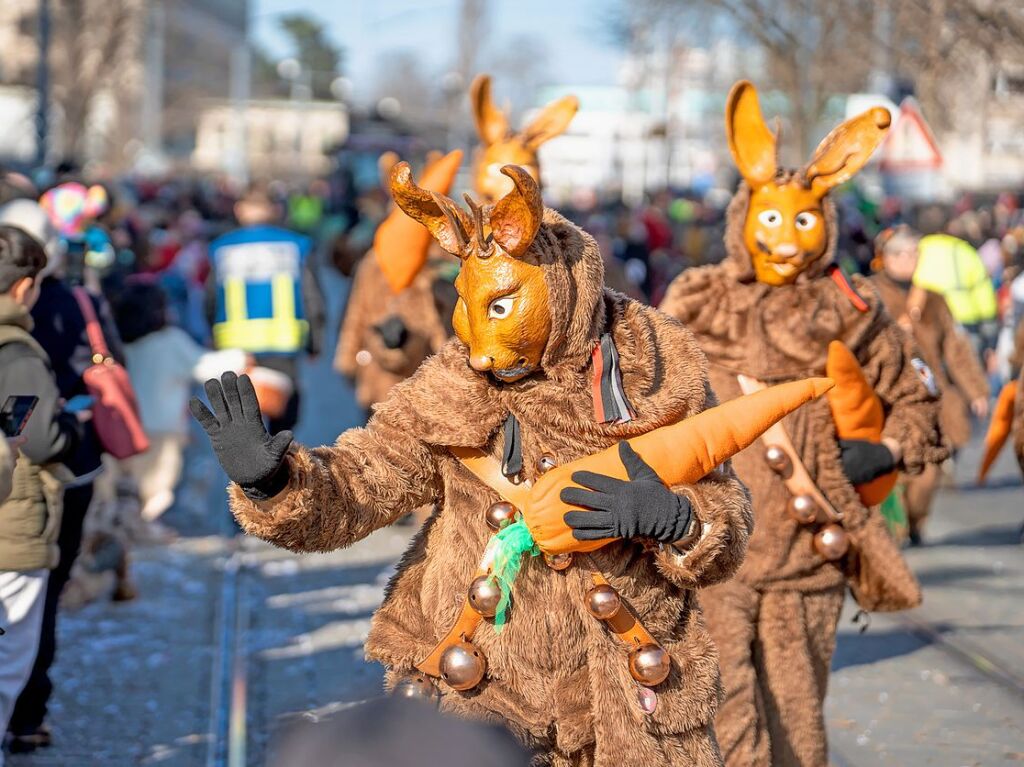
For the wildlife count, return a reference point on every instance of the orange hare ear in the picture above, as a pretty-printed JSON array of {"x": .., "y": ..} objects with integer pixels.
[
  {"x": 516, "y": 217},
  {"x": 491, "y": 122},
  {"x": 750, "y": 140},
  {"x": 445, "y": 220},
  {"x": 385, "y": 163},
  {"x": 551, "y": 122},
  {"x": 846, "y": 149}
]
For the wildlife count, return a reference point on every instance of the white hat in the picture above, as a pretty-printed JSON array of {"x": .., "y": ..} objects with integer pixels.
[{"x": 31, "y": 218}]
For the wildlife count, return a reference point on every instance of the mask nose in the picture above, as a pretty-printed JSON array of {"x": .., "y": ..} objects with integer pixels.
[
  {"x": 481, "y": 362},
  {"x": 786, "y": 251}
]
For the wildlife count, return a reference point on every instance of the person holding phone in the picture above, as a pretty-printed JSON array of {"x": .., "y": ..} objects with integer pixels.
[{"x": 30, "y": 515}]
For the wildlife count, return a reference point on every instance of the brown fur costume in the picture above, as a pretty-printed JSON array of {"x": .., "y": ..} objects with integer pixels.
[
  {"x": 1018, "y": 412},
  {"x": 371, "y": 301},
  {"x": 958, "y": 374},
  {"x": 555, "y": 674},
  {"x": 775, "y": 623}
]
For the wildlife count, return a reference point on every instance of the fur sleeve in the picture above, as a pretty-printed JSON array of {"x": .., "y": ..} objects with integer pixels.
[
  {"x": 912, "y": 412},
  {"x": 338, "y": 495},
  {"x": 353, "y": 326},
  {"x": 960, "y": 359},
  {"x": 725, "y": 521}
]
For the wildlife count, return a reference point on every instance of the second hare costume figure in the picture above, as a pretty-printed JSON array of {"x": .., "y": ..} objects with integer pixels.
[
  {"x": 547, "y": 367},
  {"x": 768, "y": 313}
]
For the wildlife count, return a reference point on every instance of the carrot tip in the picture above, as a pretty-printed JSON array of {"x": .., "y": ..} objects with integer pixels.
[{"x": 821, "y": 385}]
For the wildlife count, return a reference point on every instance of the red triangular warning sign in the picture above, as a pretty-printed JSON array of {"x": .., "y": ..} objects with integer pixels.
[{"x": 910, "y": 144}]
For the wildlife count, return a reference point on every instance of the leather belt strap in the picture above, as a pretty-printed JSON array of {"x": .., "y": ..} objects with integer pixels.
[
  {"x": 624, "y": 624},
  {"x": 798, "y": 481}
]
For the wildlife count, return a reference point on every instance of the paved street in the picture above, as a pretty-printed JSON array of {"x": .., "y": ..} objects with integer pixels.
[{"x": 144, "y": 683}]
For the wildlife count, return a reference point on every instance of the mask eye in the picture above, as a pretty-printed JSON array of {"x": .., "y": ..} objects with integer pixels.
[
  {"x": 770, "y": 218},
  {"x": 500, "y": 308},
  {"x": 805, "y": 221}
]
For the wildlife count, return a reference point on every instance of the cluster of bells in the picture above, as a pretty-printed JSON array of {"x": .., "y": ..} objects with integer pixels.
[
  {"x": 463, "y": 665},
  {"x": 831, "y": 541}
]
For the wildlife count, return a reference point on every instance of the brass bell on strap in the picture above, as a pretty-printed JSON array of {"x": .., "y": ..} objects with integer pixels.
[
  {"x": 778, "y": 460},
  {"x": 545, "y": 464},
  {"x": 558, "y": 561},
  {"x": 603, "y": 602},
  {"x": 650, "y": 664},
  {"x": 462, "y": 666},
  {"x": 484, "y": 595},
  {"x": 832, "y": 542},
  {"x": 416, "y": 687},
  {"x": 803, "y": 508},
  {"x": 500, "y": 514}
]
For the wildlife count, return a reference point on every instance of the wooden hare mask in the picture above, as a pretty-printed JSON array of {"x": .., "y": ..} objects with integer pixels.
[
  {"x": 502, "y": 314},
  {"x": 501, "y": 147},
  {"x": 785, "y": 229}
]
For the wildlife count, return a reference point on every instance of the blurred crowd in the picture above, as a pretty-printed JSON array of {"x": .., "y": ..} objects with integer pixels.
[{"x": 182, "y": 280}]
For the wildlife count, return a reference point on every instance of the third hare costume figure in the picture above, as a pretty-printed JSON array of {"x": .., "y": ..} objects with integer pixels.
[
  {"x": 768, "y": 314},
  {"x": 547, "y": 367}
]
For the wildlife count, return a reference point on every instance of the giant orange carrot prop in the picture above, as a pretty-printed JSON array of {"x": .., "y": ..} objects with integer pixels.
[
  {"x": 401, "y": 244},
  {"x": 998, "y": 428},
  {"x": 857, "y": 413},
  {"x": 680, "y": 454}
]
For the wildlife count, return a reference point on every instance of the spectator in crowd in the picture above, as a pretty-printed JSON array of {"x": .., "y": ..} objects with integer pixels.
[
  {"x": 30, "y": 516},
  {"x": 59, "y": 328}
]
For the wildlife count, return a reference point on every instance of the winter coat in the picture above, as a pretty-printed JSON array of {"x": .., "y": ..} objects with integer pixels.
[
  {"x": 778, "y": 334},
  {"x": 948, "y": 351},
  {"x": 7, "y": 459},
  {"x": 30, "y": 515},
  {"x": 556, "y": 676},
  {"x": 362, "y": 354}
]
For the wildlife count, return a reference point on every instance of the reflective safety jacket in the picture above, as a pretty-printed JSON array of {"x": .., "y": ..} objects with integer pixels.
[
  {"x": 950, "y": 266},
  {"x": 257, "y": 273}
]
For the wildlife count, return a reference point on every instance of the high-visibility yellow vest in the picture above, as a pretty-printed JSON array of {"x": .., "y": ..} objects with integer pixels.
[
  {"x": 258, "y": 274},
  {"x": 950, "y": 266}
]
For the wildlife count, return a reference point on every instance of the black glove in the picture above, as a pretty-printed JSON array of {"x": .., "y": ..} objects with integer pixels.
[
  {"x": 393, "y": 332},
  {"x": 250, "y": 456},
  {"x": 639, "y": 507},
  {"x": 864, "y": 461}
]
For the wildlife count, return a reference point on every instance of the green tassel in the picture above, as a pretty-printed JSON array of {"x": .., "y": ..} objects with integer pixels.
[
  {"x": 508, "y": 547},
  {"x": 894, "y": 514}
]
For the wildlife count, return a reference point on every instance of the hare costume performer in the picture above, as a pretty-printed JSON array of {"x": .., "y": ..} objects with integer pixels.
[
  {"x": 517, "y": 385},
  {"x": 769, "y": 312}
]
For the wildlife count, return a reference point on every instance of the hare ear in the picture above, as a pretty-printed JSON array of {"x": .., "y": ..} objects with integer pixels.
[
  {"x": 445, "y": 221},
  {"x": 846, "y": 149},
  {"x": 751, "y": 142},
  {"x": 516, "y": 217},
  {"x": 491, "y": 123},
  {"x": 551, "y": 122},
  {"x": 385, "y": 163}
]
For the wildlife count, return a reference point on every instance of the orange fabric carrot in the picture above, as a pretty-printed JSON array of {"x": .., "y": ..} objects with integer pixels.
[
  {"x": 998, "y": 428},
  {"x": 680, "y": 453},
  {"x": 401, "y": 244},
  {"x": 857, "y": 413}
]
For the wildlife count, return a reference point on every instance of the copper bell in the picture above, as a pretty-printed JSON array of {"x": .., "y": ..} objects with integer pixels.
[
  {"x": 462, "y": 666},
  {"x": 545, "y": 464},
  {"x": 484, "y": 595},
  {"x": 500, "y": 514},
  {"x": 649, "y": 664},
  {"x": 558, "y": 561},
  {"x": 831, "y": 542},
  {"x": 416, "y": 687},
  {"x": 778, "y": 460},
  {"x": 803, "y": 508},
  {"x": 603, "y": 602}
]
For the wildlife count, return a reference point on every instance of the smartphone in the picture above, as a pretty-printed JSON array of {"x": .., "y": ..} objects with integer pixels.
[
  {"x": 15, "y": 413},
  {"x": 79, "y": 403}
]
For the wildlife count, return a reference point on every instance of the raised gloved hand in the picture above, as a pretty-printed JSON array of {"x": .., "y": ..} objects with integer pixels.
[
  {"x": 864, "y": 461},
  {"x": 393, "y": 332},
  {"x": 250, "y": 456},
  {"x": 639, "y": 507}
]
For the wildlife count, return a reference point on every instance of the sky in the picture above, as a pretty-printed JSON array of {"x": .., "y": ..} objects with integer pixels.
[{"x": 578, "y": 48}]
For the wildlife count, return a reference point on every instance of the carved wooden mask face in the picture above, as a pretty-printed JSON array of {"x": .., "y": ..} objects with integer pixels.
[
  {"x": 785, "y": 229},
  {"x": 503, "y": 313}
]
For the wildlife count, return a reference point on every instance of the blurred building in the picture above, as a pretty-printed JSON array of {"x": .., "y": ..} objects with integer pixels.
[
  {"x": 128, "y": 77},
  {"x": 290, "y": 139}
]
